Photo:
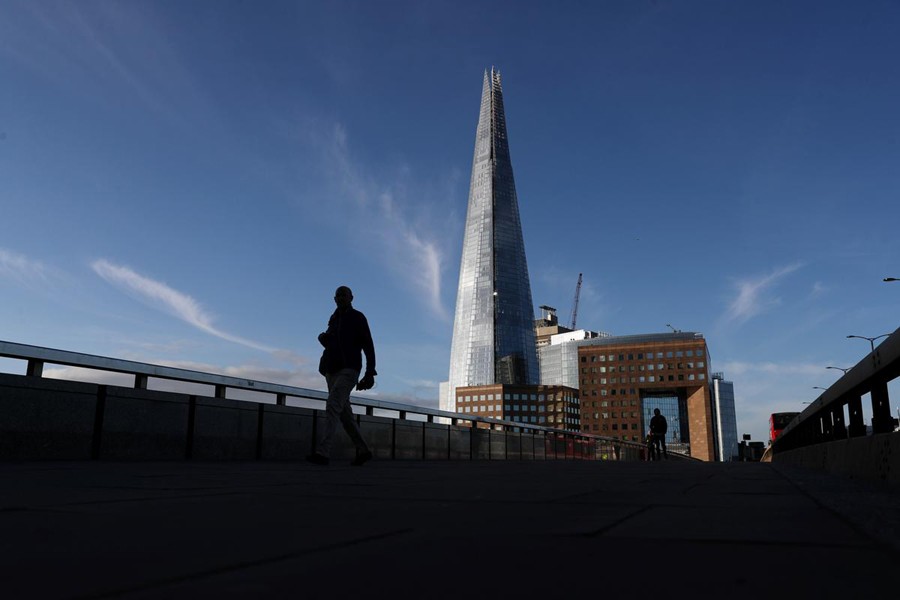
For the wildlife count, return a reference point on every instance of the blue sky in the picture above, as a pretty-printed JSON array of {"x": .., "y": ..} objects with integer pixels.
[{"x": 187, "y": 183}]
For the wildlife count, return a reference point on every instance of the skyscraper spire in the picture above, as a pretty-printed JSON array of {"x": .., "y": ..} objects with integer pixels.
[{"x": 493, "y": 330}]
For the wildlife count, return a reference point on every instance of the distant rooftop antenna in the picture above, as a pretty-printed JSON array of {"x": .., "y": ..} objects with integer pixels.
[{"x": 672, "y": 328}]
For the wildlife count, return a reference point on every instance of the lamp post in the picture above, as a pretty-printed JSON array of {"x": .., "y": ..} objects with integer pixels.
[
  {"x": 840, "y": 369},
  {"x": 871, "y": 339}
]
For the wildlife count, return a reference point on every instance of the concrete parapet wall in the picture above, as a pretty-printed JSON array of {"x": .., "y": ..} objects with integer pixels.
[
  {"x": 49, "y": 419},
  {"x": 873, "y": 457}
]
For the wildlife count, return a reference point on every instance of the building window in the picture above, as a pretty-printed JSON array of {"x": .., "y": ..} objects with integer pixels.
[
  {"x": 701, "y": 376},
  {"x": 679, "y": 354},
  {"x": 669, "y": 354}
]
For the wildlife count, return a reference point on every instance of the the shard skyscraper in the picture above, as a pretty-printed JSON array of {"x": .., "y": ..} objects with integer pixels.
[{"x": 493, "y": 331}]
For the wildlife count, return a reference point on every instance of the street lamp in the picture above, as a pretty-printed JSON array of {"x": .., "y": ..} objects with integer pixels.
[
  {"x": 840, "y": 369},
  {"x": 871, "y": 340}
]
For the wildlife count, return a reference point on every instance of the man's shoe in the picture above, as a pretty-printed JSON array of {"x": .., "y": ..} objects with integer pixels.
[
  {"x": 362, "y": 459},
  {"x": 317, "y": 459}
]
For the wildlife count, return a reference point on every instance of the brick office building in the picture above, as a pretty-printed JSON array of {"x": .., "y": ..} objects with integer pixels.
[
  {"x": 622, "y": 379},
  {"x": 553, "y": 406}
]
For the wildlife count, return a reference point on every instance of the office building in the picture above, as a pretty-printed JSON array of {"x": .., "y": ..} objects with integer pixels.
[
  {"x": 551, "y": 406},
  {"x": 623, "y": 378},
  {"x": 724, "y": 418},
  {"x": 493, "y": 329}
]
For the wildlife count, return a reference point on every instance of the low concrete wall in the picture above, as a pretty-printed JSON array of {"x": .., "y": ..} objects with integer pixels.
[
  {"x": 48, "y": 419},
  {"x": 875, "y": 457}
]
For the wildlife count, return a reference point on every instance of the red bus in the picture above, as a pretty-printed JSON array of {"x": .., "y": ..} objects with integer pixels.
[{"x": 779, "y": 421}]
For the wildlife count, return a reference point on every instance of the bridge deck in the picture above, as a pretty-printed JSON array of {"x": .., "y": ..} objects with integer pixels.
[{"x": 432, "y": 530}]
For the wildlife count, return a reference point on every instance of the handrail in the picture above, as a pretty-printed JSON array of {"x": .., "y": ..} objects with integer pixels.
[
  {"x": 37, "y": 356},
  {"x": 823, "y": 419}
]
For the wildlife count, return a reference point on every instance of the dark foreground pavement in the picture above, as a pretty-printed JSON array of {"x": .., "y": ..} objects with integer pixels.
[{"x": 442, "y": 530}]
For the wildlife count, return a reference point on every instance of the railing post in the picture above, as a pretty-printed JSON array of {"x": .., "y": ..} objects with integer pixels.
[
  {"x": 881, "y": 408},
  {"x": 370, "y": 410},
  {"x": 837, "y": 417},
  {"x": 827, "y": 426},
  {"x": 857, "y": 425},
  {"x": 281, "y": 399},
  {"x": 220, "y": 391},
  {"x": 35, "y": 367},
  {"x": 140, "y": 382}
]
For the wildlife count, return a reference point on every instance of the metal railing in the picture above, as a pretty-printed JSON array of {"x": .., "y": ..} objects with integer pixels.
[
  {"x": 824, "y": 419},
  {"x": 576, "y": 444}
]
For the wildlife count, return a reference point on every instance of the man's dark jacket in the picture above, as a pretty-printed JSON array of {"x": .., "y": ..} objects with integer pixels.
[
  {"x": 347, "y": 335},
  {"x": 659, "y": 425}
]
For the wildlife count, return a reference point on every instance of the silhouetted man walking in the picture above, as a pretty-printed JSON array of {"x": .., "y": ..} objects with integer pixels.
[
  {"x": 346, "y": 337},
  {"x": 658, "y": 428}
]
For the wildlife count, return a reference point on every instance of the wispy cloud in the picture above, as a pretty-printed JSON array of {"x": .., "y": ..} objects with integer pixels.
[
  {"x": 23, "y": 270},
  {"x": 738, "y": 368},
  {"x": 296, "y": 377},
  {"x": 405, "y": 239},
  {"x": 161, "y": 296},
  {"x": 753, "y": 294},
  {"x": 764, "y": 387},
  {"x": 29, "y": 273}
]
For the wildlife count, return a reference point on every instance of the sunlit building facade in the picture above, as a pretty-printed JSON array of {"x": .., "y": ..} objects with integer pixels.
[
  {"x": 623, "y": 378},
  {"x": 552, "y": 406},
  {"x": 493, "y": 330},
  {"x": 724, "y": 418}
]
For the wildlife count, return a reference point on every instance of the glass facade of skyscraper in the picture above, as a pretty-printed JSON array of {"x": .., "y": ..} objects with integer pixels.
[
  {"x": 724, "y": 417},
  {"x": 493, "y": 333}
]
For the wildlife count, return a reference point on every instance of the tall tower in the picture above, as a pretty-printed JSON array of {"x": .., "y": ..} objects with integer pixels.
[{"x": 493, "y": 331}]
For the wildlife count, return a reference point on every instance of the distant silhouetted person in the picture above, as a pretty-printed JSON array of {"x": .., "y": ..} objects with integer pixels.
[
  {"x": 347, "y": 336},
  {"x": 658, "y": 429},
  {"x": 651, "y": 447}
]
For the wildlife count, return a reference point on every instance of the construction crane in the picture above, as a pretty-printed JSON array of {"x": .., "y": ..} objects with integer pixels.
[{"x": 575, "y": 303}]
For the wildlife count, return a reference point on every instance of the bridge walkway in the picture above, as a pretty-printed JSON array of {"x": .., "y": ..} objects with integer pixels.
[{"x": 441, "y": 530}]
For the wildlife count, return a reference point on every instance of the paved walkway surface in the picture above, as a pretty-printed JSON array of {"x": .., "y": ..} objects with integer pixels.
[{"x": 442, "y": 530}]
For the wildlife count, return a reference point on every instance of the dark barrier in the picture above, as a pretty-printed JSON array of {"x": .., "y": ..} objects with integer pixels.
[{"x": 43, "y": 418}]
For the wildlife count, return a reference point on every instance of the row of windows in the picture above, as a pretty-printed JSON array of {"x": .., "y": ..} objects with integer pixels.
[
  {"x": 517, "y": 408},
  {"x": 615, "y": 415},
  {"x": 643, "y": 356},
  {"x": 613, "y": 403},
  {"x": 534, "y": 397},
  {"x": 650, "y": 367},
  {"x": 641, "y": 379},
  {"x": 542, "y": 419}
]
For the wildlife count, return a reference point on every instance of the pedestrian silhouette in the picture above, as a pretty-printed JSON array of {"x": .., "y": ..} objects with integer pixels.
[
  {"x": 347, "y": 336},
  {"x": 658, "y": 429},
  {"x": 651, "y": 447}
]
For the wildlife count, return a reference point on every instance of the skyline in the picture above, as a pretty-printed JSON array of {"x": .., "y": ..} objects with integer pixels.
[{"x": 189, "y": 184}]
